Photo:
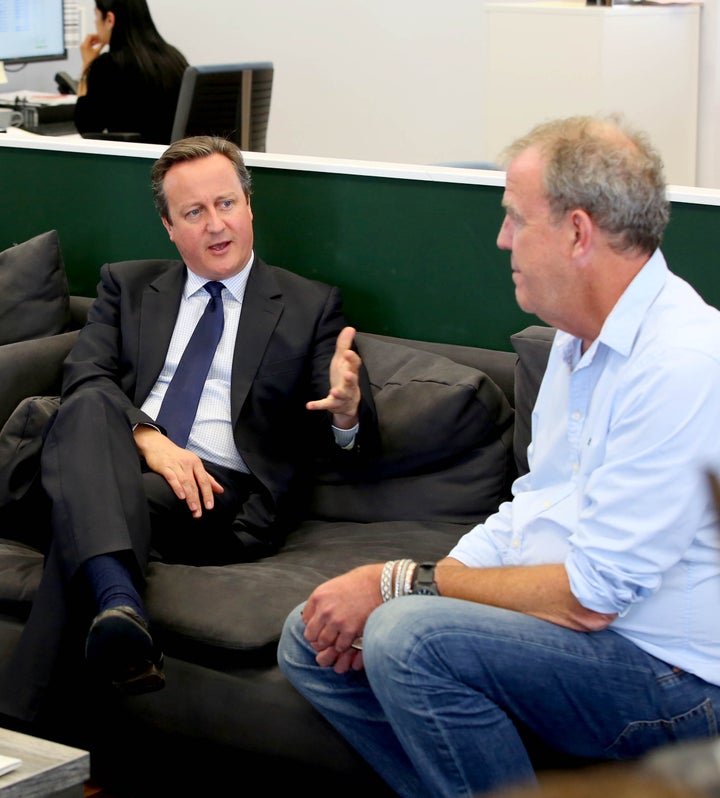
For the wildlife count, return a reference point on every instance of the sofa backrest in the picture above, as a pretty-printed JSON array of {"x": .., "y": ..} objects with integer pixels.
[
  {"x": 533, "y": 348},
  {"x": 446, "y": 436},
  {"x": 447, "y": 428}
]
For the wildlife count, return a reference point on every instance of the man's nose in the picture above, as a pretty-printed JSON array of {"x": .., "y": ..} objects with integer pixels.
[
  {"x": 214, "y": 220},
  {"x": 504, "y": 236}
]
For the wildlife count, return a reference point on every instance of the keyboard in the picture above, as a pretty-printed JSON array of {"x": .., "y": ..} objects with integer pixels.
[{"x": 65, "y": 127}]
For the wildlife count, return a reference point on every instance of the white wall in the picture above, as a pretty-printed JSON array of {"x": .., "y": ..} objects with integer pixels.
[
  {"x": 709, "y": 113},
  {"x": 391, "y": 80},
  {"x": 388, "y": 80}
]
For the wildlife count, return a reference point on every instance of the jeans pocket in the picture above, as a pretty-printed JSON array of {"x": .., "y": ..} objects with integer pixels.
[{"x": 639, "y": 737}]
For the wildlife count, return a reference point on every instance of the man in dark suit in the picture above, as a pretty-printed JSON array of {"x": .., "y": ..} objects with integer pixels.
[{"x": 284, "y": 386}]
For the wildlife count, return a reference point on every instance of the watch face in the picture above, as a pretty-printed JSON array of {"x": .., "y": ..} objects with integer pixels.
[{"x": 425, "y": 581}]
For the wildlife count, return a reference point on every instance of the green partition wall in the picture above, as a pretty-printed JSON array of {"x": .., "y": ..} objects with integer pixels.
[{"x": 414, "y": 258}]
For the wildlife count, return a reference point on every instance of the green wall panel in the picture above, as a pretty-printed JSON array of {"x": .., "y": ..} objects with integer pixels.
[
  {"x": 692, "y": 247},
  {"x": 414, "y": 258},
  {"x": 101, "y": 207}
]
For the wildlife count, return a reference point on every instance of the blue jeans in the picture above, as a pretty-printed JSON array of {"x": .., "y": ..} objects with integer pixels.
[{"x": 451, "y": 689}]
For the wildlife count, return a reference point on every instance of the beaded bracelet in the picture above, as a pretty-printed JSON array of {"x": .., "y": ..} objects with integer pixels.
[
  {"x": 407, "y": 587},
  {"x": 396, "y": 578},
  {"x": 399, "y": 580},
  {"x": 386, "y": 580}
]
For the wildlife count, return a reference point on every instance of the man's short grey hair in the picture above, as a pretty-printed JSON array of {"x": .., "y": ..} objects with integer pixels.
[
  {"x": 607, "y": 169},
  {"x": 191, "y": 149}
]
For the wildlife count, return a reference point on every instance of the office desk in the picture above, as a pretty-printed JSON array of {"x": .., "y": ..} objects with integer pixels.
[
  {"x": 41, "y": 109},
  {"x": 48, "y": 769}
]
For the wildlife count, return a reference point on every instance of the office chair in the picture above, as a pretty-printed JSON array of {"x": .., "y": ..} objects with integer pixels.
[{"x": 228, "y": 100}]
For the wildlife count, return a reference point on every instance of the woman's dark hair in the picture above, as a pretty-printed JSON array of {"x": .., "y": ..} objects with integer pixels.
[{"x": 135, "y": 42}]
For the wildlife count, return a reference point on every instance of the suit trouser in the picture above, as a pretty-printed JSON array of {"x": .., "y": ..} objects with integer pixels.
[{"x": 102, "y": 502}]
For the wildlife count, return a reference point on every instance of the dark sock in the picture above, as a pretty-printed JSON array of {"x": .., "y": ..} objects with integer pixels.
[{"x": 111, "y": 584}]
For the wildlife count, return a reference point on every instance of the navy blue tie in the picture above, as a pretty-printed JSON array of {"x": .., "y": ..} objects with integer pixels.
[{"x": 180, "y": 404}]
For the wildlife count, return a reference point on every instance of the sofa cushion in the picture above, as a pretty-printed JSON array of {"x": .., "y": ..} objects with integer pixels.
[
  {"x": 34, "y": 299},
  {"x": 446, "y": 437},
  {"x": 533, "y": 348},
  {"x": 242, "y": 607}
]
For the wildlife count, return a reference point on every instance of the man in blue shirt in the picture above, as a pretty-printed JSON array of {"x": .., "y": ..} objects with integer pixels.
[{"x": 584, "y": 612}]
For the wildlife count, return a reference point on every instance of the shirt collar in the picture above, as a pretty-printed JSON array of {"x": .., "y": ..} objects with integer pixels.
[
  {"x": 235, "y": 284},
  {"x": 625, "y": 319}
]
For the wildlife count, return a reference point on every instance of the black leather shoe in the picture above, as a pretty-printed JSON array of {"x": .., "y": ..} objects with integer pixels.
[{"x": 119, "y": 648}]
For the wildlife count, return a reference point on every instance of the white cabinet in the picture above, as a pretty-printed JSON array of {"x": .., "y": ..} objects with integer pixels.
[{"x": 547, "y": 60}]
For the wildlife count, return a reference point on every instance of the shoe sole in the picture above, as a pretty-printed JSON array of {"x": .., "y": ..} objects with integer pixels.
[{"x": 122, "y": 650}]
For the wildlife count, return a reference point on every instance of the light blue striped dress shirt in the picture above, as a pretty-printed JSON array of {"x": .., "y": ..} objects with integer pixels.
[
  {"x": 622, "y": 437},
  {"x": 211, "y": 436}
]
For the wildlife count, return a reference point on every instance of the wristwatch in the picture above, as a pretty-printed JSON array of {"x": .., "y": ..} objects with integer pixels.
[{"x": 423, "y": 581}]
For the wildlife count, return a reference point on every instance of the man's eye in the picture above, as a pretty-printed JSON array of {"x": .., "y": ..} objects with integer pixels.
[
  {"x": 226, "y": 204},
  {"x": 193, "y": 213}
]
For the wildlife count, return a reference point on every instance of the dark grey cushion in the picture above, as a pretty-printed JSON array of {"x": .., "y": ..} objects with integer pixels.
[
  {"x": 21, "y": 440},
  {"x": 21, "y": 567},
  {"x": 32, "y": 368},
  {"x": 446, "y": 442},
  {"x": 242, "y": 607},
  {"x": 34, "y": 298},
  {"x": 533, "y": 348}
]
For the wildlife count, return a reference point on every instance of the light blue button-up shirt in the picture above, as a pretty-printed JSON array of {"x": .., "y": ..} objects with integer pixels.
[{"x": 622, "y": 437}]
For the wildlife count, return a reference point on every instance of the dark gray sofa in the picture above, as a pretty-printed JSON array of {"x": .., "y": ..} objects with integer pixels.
[{"x": 454, "y": 423}]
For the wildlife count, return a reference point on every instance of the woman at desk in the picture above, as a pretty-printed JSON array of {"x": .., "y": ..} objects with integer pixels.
[{"x": 132, "y": 87}]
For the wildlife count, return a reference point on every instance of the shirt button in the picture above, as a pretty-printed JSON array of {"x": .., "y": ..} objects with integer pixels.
[
  {"x": 516, "y": 544},
  {"x": 576, "y": 415},
  {"x": 575, "y": 467}
]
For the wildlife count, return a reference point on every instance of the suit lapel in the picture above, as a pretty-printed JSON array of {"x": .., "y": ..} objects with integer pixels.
[
  {"x": 158, "y": 313},
  {"x": 261, "y": 310}
]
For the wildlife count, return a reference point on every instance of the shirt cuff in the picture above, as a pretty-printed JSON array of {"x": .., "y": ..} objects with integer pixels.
[{"x": 345, "y": 438}]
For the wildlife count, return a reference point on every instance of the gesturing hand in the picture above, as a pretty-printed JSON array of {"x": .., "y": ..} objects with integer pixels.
[{"x": 344, "y": 395}]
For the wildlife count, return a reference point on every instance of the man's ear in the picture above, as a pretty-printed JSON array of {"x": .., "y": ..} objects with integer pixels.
[
  {"x": 110, "y": 19},
  {"x": 582, "y": 231},
  {"x": 168, "y": 226}
]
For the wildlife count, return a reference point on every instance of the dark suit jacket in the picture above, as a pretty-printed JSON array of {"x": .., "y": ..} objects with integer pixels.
[{"x": 285, "y": 341}]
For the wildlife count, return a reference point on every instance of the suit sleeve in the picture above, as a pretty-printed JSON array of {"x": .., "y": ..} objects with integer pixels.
[{"x": 96, "y": 361}]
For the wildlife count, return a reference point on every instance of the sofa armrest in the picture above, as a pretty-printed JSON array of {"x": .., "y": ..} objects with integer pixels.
[{"x": 32, "y": 368}]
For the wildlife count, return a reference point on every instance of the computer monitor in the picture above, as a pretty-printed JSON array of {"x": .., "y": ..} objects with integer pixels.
[{"x": 32, "y": 30}]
